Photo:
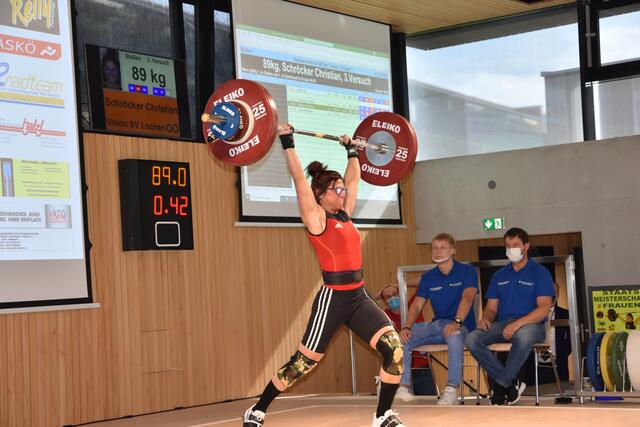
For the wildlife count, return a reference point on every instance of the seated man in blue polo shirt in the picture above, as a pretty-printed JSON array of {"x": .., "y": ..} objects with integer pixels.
[
  {"x": 520, "y": 295},
  {"x": 451, "y": 286}
]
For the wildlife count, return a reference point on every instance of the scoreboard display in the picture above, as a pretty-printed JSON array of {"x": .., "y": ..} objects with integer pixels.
[
  {"x": 138, "y": 94},
  {"x": 149, "y": 75},
  {"x": 155, "y": 205}
]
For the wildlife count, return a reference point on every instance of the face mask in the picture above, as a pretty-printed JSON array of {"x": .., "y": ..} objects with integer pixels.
[
  {"x": 394, "y": 303},
  {"x": 514, "y": 254},
  {"x": 438, "y": 261}
]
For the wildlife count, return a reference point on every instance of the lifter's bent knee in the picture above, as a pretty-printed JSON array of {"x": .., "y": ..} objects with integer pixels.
[
  {"x": 390, "y": 348},
  {"x": 298, "y": 366}
]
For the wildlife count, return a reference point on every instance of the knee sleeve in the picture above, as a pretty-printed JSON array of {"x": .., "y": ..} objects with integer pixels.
[
  {"x": 390, "y": 348},
  {"x": 296, "y": 368}
]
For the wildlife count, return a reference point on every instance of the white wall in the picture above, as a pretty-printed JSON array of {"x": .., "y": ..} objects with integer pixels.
[{"x": 590, "y": 187}]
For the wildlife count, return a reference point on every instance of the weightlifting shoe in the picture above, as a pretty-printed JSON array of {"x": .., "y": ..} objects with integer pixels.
[
  {"x": 389, "y": 419},
  {"x": 253, "y": 418}
]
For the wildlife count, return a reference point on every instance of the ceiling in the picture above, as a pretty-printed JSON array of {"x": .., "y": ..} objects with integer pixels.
[{"x": 416, "y": 16}]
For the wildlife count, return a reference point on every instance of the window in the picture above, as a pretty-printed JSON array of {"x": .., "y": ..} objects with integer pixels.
[
  {"x": 620, "y": 34},
  {"x": 188, "y": 16},
  {"x": 224, "y": 67},
  {"x": 617, "y": 108},
  {"x": 617, "y": 102},
  {"x": 610, "y": 49},
  {"x": 496, "y": 86}
]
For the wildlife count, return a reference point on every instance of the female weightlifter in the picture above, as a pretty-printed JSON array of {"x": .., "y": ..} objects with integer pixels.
[{"x": 325, "y": 208}]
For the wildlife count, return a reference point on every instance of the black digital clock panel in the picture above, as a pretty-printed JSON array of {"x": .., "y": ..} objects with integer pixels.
[{"x": 155, "y": 203}]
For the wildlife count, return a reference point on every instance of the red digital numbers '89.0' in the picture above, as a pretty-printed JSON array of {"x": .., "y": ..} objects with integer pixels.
[
  {"x": 177, "y": 205},
  {"x": 163, "y": 173}
]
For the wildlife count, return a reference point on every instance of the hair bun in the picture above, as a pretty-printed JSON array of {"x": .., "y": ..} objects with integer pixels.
[{"x": 315, "y": 169}]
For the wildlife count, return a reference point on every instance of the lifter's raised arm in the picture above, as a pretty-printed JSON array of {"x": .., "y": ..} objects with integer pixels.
[
  {"x": 309, "y": 208},
  {"x": 351, "y": 174}
]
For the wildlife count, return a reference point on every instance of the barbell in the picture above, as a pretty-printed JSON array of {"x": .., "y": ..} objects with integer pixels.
[{"x": 240, "y": 124}]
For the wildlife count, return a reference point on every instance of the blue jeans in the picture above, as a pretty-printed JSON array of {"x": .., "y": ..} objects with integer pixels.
[
  {"x": 521, "y": 344},
  {"x": 432, "y": 333}
]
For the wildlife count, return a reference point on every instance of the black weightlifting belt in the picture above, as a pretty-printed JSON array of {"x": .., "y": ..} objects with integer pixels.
[{"x": 342, "y": 277}]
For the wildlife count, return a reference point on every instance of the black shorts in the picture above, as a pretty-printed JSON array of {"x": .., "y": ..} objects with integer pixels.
[{"x": 332, "y": 309}]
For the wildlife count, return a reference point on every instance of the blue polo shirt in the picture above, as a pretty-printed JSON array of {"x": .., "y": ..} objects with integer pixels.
[
  {"x": 445, "y": 291},
  {"x": 517, "y": 291}
]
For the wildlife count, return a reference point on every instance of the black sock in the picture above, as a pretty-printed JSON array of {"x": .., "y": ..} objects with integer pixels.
[
  {"x": 387, "y": 393},
  {"x": 270, "y": 392}
]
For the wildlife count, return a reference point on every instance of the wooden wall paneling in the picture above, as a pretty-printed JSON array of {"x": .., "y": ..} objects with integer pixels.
[
  {"x": 198, "y": 311},
  {"x": 49, "y": 357},
  {"x": 8, "y": 366},
  {"x": 23, "y": 366},
  {"x": 4, "y": 367},
  {"x": 271, "y": 293},
  {"x": 8, "y": 392},
  {"x": 33, "y": 387},
  {"x": 65, "y": 373},
  {"x": 154, "y": 331},
  {"x": 176, "y": 333},
  {"x": 104, "y": 284},
  {"x": 51, "y": 363}
]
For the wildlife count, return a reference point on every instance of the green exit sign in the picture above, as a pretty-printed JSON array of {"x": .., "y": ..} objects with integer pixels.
[{"x": 493, "y": 224}]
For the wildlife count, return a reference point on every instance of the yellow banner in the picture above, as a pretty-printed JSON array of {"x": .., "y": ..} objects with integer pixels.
[
  {"x": 31, "y": 99},
  {"x": 41, "y": 179},
  {"x": 616, "y": 309}
]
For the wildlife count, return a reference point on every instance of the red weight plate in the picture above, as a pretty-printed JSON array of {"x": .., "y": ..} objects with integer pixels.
[
  {"x": 397, "y": 133},
  {"x": 262, "y": 122}
]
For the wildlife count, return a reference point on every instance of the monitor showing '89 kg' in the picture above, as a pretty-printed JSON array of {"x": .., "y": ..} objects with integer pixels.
[{"x": 139, "y": 94}]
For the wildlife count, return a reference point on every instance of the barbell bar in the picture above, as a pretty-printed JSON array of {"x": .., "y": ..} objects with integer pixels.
[{"x": 217, "y": 119}]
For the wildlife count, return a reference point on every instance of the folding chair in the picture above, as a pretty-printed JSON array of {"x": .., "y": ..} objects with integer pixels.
[
  {"x": 538, "y": 350},
  {"x": 434, "y": 348}
]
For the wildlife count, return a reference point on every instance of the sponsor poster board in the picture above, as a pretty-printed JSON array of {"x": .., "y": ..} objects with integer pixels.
[
  {"x": 615, "y": 308},
  {"x": 42, "y": 234}
]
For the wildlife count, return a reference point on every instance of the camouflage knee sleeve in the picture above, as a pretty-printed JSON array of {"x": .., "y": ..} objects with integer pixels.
[
  {"x": 390, "y": 348},
  {"x": 296, "y": 368}
]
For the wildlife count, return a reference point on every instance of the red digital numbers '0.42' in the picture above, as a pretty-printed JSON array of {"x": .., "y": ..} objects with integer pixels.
[{"x": 177, "y": 205}]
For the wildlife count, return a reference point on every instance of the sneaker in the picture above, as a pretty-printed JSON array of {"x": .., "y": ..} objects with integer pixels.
[
  {"x": 498, "y": 397},
  {"x": 253, "y": 418},
  {"x": 405, "y": 395},
  {"x": 449, "y": 397},
  {"x": 389, "y": 419},
  {"x": 514, "y": 393}
]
